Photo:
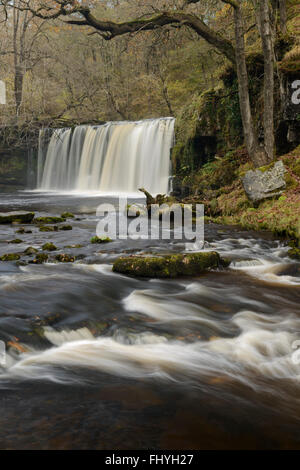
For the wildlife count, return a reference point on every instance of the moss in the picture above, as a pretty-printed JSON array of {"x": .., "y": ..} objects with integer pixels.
[
  {"x": 100, "y": 240},
  {"x": 49, "y": 247},
  {"x": 48, "y": 228},
  {"x": 67, "y": 215},
  {"x": 17, "y": 241},
  {"x": 22, "y": 230},
  {"x": 16, "y": 217},
  {"x": 66, "y": 227},
  {"x": 65, "y": 258},
  {"x": 10, "y": 257},
  {"x": 294, "y": 253},
  {"x": 49, "y": 220},
  {"x": 168, "y": 266},
  {"x": 40, "y": 258}
]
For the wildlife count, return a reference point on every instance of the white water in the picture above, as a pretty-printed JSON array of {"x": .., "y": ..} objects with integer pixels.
[{"x": 113, "y": 158}]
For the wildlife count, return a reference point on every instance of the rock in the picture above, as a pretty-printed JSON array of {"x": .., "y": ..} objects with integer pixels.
[
  {"x": 49, "y": 220},
  {"x": 49, "y": 247},
  {"x": 135, "y": 210},
  {"x": 17, "y": 217},
  {"x": 169, "y": 266},
  {"x": 30, "y": 251},
  {"x": 101, "y": 240},
  {"x": 16, "y": 241},
  {"x": 40, "y": 258},
  {"x": 64, "y": 258},
  {"x": 10, "y": 257},
  {"x": 67, "y": 215},
  {"x": 65, "y": 227},
  {"x": 294, "y": 253},
  {"x": 265, "y": 182},
  {"x": 22, "y": 230},
  {"x": 48, "y": 228}
]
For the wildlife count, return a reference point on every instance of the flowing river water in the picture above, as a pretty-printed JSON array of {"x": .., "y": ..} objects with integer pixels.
[{"x": 105, "y": 361}]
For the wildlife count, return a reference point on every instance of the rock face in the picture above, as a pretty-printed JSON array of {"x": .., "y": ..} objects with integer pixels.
[
  {"x": 264, "y": 183},
  {"x": 17, "y": 217},
  {"x": 170, "y": 266}
]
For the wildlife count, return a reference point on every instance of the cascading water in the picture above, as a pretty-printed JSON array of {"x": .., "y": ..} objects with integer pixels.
[{"x": 114, "y": 157}]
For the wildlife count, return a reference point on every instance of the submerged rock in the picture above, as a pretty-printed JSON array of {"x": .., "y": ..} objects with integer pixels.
[
  {"x": 16, "y": 241},
  {"x": 40, "y": 258},
  {"x": 16, "y": 217},
  {"x": 49, "y": 247},
  {"x": 67, "y": 215},
  {"x": 48, "y": 228},
  {"x": 10, "y": 257},
  {"x": 101, "y": 240},
  {"x": 49, "y": 220},
  {"x": 65, "y": 227},
  {"x": 170, "y": 266},
  {"x": 22, "y": 230},
  {"x": 65, "y": 258},
  {"x": 265, "y": 182}
]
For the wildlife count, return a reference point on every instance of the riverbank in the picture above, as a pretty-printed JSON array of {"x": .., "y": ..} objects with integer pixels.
[{"x": 218, "y": 185}]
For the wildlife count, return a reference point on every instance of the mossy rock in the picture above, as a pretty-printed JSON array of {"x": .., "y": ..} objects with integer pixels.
[
  {"x": 294, "y": 253},
  {"x": 67, "y": 215},
  {"x": 48, "y": 228},
  {"x": 170, "y": 266},
  {"x": 16, "y": 217},
  {"x": 17, "y": 241},
  {"x": 101, "y": 240},
  {"x": 22, "y": 230},
  {"x": 40, "y": 258},
  {"x": 30, "y": 251},
  {"x": 65, "y": 258},
  {"x": 49, "y": 220},
  {"x": 49, "y": 247},
  {"x": 10, "y": 257},
  {"x": 65, "y": 227}
]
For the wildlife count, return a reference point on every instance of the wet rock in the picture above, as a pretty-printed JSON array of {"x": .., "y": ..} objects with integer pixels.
[
  {"x": 65, "y": 227},
  {"x": 22, "y": 230},
  {"x": 30, "y": 251},
  {"x": 67, "y": 215},
  {"x": 21, "y": 263},
  {"x": 16, "y": 241},
  {"x": 10, "y": 257},
  {"x": 49, "y": 220},
  {"x": 101, "y": 240},
  {"x": 48, "y": 228},
  {"x": 294, "y": 253},
  {"x": 170, "y": 266},
  {"x": 16, "y": 217},
  {"x": 49, "y": 247},
  {"x": 65, "y": 258},
  {"x": 40, "y": 258},
  {"x": 135, "y": 210},
  {"x": 265, "y": 182}
]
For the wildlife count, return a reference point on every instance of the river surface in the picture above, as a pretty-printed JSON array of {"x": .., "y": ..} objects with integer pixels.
[{"x": 98, "y": 360}]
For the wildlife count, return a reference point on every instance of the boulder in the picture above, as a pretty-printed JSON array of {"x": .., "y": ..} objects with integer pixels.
[
  {"x": 265, "y": 182},
  {"x": 49, "y": 220},
  {"x": 170, "y": 266},
  {"x": 10, "y": 257},
  {"x": 16, "y": 217}
]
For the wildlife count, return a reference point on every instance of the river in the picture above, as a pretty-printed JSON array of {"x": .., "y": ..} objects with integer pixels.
[{"x": 113, "y": 362}]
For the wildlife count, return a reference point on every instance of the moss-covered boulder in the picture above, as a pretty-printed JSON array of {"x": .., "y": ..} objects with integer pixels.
[
  {"x": 294, "y": 253},
  {"x": 16, "y": 217},
  {"x": 65, "y": 227},
  {"x": 49, "y": 247},
  {"x": 49, "y": 220},
  {"x": 40, "y": 258},
  {"x": 65, "y": 258},
  {"x": 30, "y": 251},
  {"x": 191, "y": 264},
  {"x": 67, "y": 215},
  {"x": 101, "y": 240},
  {"x": 10, "y": 257},
  {"x": 17, "y": 241},
  {"x": 48, "y": 228}
]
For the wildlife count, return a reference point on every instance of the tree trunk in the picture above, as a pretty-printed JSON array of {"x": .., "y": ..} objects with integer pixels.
[
  {"x": 256, "y": 154},
  {"x": 18, "y": 87},
  {"x": 267, "y": 46},
  {"x": 283, "y": 16}
]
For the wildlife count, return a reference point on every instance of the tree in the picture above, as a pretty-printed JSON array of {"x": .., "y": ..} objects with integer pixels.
[{"x": 82, "y": 15}]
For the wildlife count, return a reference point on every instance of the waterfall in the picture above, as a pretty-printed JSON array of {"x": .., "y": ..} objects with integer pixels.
[{"x": 112, "y": 158}]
